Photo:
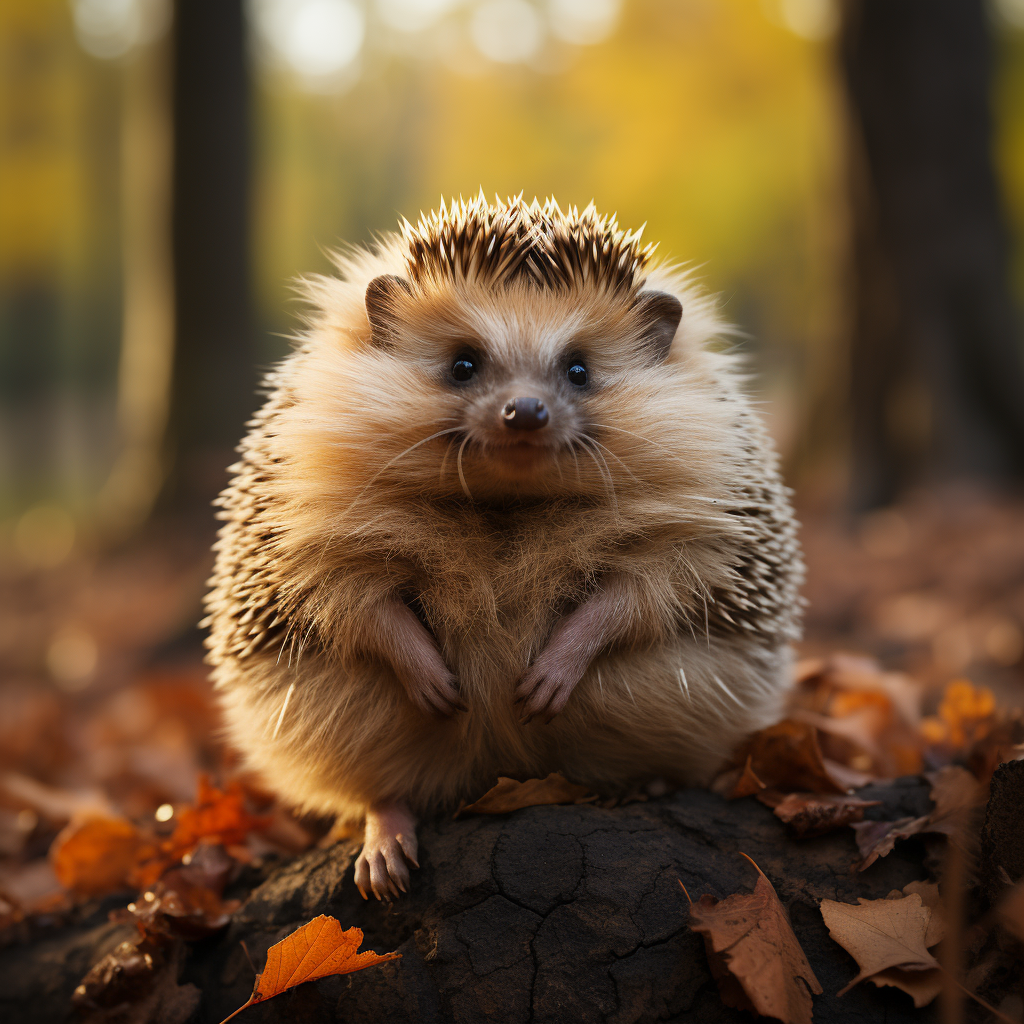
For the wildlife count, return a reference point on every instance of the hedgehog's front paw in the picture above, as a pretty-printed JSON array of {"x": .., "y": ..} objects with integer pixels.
[
  {"x": 390, "y": 841},
  {"x": 435, "y": 691},
  {"x": 547, "y": 686}
]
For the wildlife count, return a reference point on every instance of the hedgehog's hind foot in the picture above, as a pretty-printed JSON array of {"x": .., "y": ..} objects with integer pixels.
[{"x": 389, "y": 842}]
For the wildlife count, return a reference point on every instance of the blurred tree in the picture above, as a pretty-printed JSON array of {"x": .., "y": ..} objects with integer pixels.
[
  {"x": 214, "y": 378},
  {"x": 937, "y": 366}
]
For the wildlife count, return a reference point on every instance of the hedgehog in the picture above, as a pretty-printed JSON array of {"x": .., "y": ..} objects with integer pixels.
[{"x": 507, "y": 510}]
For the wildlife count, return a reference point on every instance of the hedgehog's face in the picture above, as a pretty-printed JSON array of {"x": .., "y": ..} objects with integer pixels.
[{"x": 513, "y": 379}]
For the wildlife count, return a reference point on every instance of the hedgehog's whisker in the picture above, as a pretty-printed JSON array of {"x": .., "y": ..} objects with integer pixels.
[
  {"x": 603, "y": 447},
  {"x": 387, "y": 465},
  {"x": 462, "y": 476},
  {"x": 622, "y": 430},
  {"x": 602, "y": 468},
  {"x": 444, "y": 460}
]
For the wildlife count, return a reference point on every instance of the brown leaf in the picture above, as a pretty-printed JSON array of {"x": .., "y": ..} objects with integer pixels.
[
  {"x": 765, "y": 970},
  {"x": 787, "y": 756},
  {"x": 955, "y": 792},
  {"x": 318, "y": 949},
  {"x": 877, "y": 838},
  {"x": 186, "y": 900},
  {"x": 122, "y": 976},
  {"x": 921, "y": 986},
  {"x": 811, "y": 814},
  {"x": 746, "y": 783},
  {"x": 881, "y": 934},
  {"x": 509, "y": 795},
  {"x": 929, "y": 893},
  {"x": 96, "y": 856}
]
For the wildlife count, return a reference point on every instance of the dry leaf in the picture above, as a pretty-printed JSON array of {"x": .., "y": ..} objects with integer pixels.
[
  {"x": 812, "y": 814},
  {"x": 787, "y": 757},
  {"x": 877, "y": 838},
  {"x": 881, "y": 934},
  {"x": 929, "y": 893},
  {"x": 955, "y": 792},
  {"x": 754, "y": 954},
  {"x": 509, "y": 795},
  {"x": 921, "y": 986},
  {"x": 747, "y": 783},
  {"x": 965, "y": 715},
  {"x": 96, "y": 856},
  {"x": 186, "y": 901},
  {"x": 217, "y": 817},
  {"x": 316, "y": 950}
]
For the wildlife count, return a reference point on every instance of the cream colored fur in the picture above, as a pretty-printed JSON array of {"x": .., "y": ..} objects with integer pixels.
[{"x": 340, "y": 501}]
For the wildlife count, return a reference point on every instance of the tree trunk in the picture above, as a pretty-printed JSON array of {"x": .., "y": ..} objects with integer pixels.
[
  {"x": 214, "y": 377},
  {"x": 549, "y": 914},
  {"x": 937, "y": 370}
]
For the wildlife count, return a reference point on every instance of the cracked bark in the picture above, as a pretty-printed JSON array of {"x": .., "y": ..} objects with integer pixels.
[{"x": 550, "y": 914}]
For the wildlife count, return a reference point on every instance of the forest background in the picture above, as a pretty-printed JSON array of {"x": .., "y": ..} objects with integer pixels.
[{"x": 166, "y": 174}]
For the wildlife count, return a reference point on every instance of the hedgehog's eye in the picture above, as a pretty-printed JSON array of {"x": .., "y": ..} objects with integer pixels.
[
  {"x": 577, "y": 374},
  {"x": 463, "y": 368}
]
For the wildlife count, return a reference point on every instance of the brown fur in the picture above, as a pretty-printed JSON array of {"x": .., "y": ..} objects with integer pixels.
[{"x": 662, "y": 479}]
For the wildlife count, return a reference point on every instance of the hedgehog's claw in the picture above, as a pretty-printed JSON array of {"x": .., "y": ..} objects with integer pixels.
[{"x": 390, "y": 841}]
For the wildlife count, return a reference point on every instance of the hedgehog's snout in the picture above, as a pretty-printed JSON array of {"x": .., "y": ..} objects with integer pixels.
[{"x": 525, "y": 414}]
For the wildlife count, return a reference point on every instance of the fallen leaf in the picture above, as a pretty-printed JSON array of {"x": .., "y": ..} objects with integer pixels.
[
  {"x": 186, "y": 901},
  {"x": 1003, "y": 742},
  {"x": 965, "y": 715},
  {"x": 318, "y": 949},
  {"x": 921, "y": 986},
  {"x": 754, "y": 955},
  {"x": 877, "y": 838},
  {"x": 122, "y": 976},
  {"x": 509, "y": 795},
  {"x": 881, "y": 934},
  {"x": 787, "y": 757},
  {"x": 137, "y": 984},
  {"x": 812, "y": 814},
  {"x": 217, "y": 817},
  {"x": 748, "y": 784},
  {"x": 96, "y": 856},
  {"x": 929, "y": 893},
  {"x": 955, "y": 792}
]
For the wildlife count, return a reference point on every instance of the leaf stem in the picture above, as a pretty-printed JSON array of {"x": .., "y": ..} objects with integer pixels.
[{"x": 244, "y": 1006}]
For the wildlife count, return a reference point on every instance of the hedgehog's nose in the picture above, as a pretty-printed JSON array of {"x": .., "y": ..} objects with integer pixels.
[{"x": 525, "y": 414}]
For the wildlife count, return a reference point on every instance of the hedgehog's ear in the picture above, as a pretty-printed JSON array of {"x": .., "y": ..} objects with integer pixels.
[
  {"x": 660, "y": 314},
  {"x": 381, "y": 294}
]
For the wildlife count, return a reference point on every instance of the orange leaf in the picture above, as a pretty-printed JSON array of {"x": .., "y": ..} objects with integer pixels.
[
  {"x": 748, "y": 784},
  {"x": 318, "y": 949},
  {"x": 509, "y": 795},
  {"x": 754, "y": 955},
  {"x": 216, "y": 818},
  {"x": 96, "y": 856}
]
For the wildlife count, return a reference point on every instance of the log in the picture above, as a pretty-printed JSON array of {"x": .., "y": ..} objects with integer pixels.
[{"x": 548, "y": 914}]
